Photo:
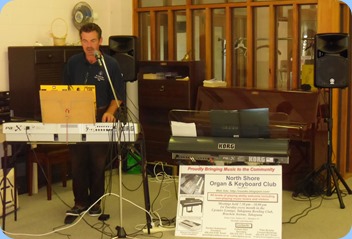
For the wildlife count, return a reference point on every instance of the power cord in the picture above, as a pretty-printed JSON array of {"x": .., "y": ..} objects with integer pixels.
[
  {"x": 162, "y": 178},
  {"x": 294, "y": 219},
  {"x": 59, "y": 229}
]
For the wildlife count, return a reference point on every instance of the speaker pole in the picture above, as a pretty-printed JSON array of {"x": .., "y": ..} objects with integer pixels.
[
  {"x": 332, "y": 174},
  {"x": 331, "y": 70}
]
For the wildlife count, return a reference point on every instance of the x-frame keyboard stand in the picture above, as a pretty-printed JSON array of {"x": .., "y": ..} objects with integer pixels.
[{"x": 5, "y": 169}]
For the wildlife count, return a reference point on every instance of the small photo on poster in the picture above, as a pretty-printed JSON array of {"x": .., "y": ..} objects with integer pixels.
[
  {"x": 191, "y": 206},
  {"x": 192, "y": 184},
  {"x": 190, "y": 225}
]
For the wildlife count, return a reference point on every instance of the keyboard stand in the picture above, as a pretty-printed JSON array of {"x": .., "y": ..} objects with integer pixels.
[{"x": 5, "y": 171}]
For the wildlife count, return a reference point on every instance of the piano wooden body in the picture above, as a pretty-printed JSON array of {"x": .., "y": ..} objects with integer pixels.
[{"x": 292, "y": 115}]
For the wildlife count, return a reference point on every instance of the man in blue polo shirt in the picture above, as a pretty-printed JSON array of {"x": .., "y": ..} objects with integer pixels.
[{"x": 89, "y": 160}]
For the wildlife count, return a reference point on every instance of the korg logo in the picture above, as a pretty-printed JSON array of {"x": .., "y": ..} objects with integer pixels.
[{"x": 226, "y": 146}]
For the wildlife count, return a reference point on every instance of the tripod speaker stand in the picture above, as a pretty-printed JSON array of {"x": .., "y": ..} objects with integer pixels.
[
  {"x": 332, "y": 71},
  {"x": 332, "y": 174}
]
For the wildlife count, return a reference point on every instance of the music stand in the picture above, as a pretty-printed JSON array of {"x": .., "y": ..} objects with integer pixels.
[{"x": 67, "y": 106}]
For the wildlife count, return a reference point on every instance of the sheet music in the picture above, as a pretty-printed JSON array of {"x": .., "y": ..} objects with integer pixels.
[{"x": 183, "y": 129}]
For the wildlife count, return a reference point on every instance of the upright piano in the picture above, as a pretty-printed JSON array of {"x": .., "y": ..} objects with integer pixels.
[{"x": 293, "y": 118}]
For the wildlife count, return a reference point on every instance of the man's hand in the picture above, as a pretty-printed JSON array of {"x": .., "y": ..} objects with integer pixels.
[{"x": 108, "y": 117}]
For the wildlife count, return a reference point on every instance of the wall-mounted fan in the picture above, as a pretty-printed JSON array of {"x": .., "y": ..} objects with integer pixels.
[{"x": 82, "y": 13}]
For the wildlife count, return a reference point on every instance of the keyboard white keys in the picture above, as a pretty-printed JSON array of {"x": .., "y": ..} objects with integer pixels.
[{"x": 98, "y": 132}]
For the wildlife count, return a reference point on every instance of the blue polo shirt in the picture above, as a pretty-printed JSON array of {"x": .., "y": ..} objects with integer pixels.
[{"x": 78, "y": 71}]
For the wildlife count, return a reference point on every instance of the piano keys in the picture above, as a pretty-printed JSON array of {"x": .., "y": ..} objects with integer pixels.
[
  {"x": 70, "y": 133},
  {"x": 211, "y": 150},
  {"x": 190, "y": 225},
  {"x": 192, "y": 184}
]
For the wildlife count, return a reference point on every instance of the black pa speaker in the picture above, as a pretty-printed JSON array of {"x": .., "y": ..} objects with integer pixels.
[
  {"x": 332, "y": 65},
  {"x": 123, "y": 49}
]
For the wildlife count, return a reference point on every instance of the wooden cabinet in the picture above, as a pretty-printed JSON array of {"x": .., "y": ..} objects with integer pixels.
[
  {"x": 175, "y": 87},
  {"x": 30, "y": 67}
]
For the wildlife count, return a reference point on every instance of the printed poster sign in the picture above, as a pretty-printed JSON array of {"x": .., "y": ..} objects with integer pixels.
[{"x": 230, "y": 202}]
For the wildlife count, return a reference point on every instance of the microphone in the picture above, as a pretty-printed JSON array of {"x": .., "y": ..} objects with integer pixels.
[{"x": 99, "y": 57}]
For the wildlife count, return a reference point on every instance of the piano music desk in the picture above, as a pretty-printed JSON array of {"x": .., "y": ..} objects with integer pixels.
[{"x": 189, "y": 203}]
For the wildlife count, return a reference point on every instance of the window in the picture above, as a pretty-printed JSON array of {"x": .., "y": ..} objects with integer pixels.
[{"x": 246, "y": 45}]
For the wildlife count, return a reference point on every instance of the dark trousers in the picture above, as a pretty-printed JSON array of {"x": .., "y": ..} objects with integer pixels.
[{"x": 88, "y": 167}]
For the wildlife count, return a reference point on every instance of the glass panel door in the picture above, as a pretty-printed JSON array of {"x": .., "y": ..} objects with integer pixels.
[
  {"x": 199, "y": 35},
  {"x": 284, "y": 48},
  {"x": 144, "y": 36},
  {"x": 180, "y": 45},
  {"x": 261, "y": 42},
  {"x": 162, "y": 36},
  {"x": 308, "y": 30},
  {"x": 239, "y": 47},
  {"x": 219, "y": 44}
]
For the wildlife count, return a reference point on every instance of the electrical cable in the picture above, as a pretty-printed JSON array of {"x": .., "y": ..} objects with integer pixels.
[
  {"x": 294, "y": 219},
  {"x": 163, "y": 179},
  {"x": 108, "y": 188},
  {"x": 58, "y": 229}
]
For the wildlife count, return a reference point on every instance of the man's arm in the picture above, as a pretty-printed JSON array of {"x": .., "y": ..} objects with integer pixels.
[{"x": 109, "y": 115}]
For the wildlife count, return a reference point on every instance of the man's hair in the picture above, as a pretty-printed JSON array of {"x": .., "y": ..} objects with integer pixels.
[{"x": 90, "y": 27}]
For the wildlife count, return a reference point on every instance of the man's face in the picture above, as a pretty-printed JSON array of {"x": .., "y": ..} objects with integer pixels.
[{"x": 90, "y": 42}]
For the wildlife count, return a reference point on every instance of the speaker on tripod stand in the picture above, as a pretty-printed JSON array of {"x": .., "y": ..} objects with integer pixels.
[
  {"x": 331, "y": 60},
  {"x": 332, "y": 70}
]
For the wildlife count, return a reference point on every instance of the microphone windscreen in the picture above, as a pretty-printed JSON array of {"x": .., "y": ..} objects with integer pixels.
[{"x": 97, "y": 54}]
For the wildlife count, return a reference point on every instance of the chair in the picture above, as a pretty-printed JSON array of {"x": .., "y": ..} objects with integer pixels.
[{"x": 47, "y": 156}]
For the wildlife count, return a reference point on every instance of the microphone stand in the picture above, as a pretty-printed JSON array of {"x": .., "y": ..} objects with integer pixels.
[{"x": 120, "y": 229}]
